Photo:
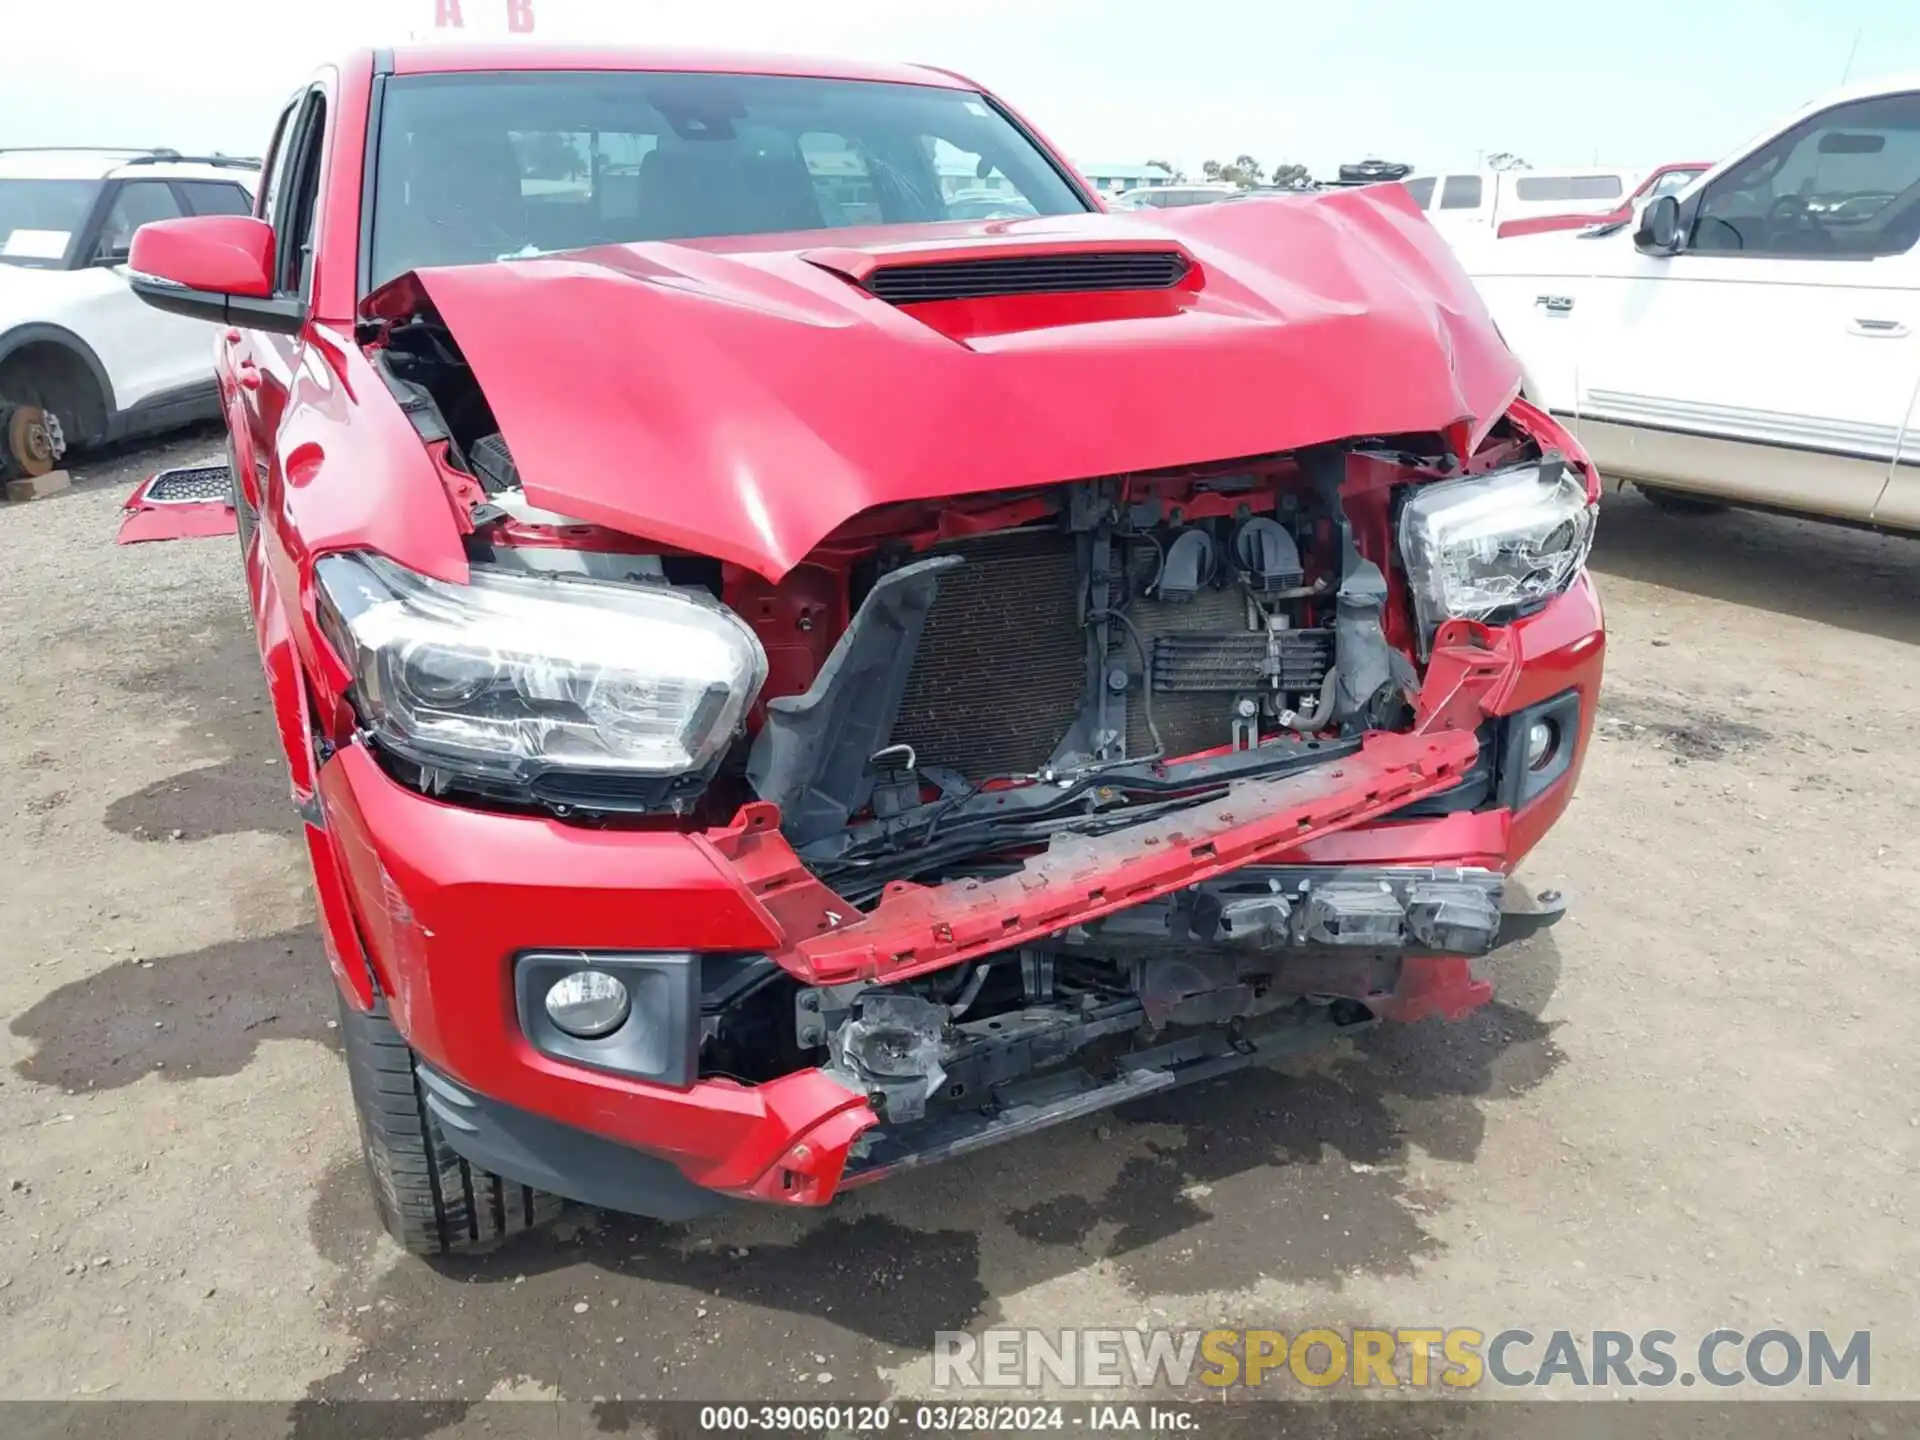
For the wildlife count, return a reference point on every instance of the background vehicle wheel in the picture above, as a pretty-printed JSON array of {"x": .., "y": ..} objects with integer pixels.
[
  {"x": 1673, "y": 502},
  {"x": 27, "y": 445},
  {"x": 58, "y": 381},
  {"x": 431, "y": 1201}
]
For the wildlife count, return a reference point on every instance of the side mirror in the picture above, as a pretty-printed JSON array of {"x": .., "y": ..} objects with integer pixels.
[
  {"x": 1659, "y": 232},
  {"x": 212, "y": 267}
]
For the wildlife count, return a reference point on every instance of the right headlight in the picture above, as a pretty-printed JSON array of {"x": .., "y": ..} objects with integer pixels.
[
  {"x": 513, "y": 677},
  {"x": 1492, "y": 545}
]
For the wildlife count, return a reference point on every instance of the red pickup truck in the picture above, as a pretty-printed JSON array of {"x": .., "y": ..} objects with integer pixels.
[
  {"x": 1668, "y": 179},
  {"x": 784, "y": 683}
]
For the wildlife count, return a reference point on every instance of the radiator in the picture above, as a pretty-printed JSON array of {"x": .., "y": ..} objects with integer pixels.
[
  {"x": 1002, "y": 667},
  {"x": 1002, "y": 664}
]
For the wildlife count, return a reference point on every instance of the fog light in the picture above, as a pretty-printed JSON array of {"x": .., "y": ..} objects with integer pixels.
[
  {"x": 587, "y": 1004},
  {"x": 1543, "y": 738}
]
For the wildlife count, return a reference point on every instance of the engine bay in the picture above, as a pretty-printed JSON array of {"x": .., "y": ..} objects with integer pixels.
[{"x": 955, "y": 689}]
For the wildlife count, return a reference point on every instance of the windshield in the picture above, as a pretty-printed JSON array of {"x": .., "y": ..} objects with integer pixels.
[
  {"x": 474, "y": 168},
  {"x": 40, "y": 218}
]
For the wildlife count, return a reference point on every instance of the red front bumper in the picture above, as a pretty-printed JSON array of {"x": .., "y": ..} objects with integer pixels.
[{"x": 444, "y": 897}]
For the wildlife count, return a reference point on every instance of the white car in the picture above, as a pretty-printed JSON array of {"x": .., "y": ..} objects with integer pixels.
[
  {"x": 74, "y": 341},
  {"x": 1471, "y": 205},
  {"x": 1754, "y": 340}
]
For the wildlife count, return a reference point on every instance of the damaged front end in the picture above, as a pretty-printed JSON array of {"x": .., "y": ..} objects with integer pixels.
[{"x": 1019, "y": 780}]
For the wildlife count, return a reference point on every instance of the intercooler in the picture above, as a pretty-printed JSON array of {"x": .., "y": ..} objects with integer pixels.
[{"x": 1002, "y": 669}]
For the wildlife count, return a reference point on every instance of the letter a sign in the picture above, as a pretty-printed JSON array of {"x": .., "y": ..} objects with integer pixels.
[{"x": 447, "y": 15}]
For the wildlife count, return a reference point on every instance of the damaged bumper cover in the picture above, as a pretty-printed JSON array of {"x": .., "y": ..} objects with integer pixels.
[
  {"x": 894, "y": 1052},
  {"x": 443, "y": 919}
]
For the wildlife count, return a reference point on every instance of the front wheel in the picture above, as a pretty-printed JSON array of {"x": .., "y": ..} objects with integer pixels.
[
  {"x": 430, "y": 1199},
  {"x": 1675, "y": 502}
]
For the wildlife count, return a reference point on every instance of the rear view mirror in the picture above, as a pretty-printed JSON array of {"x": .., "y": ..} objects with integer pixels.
[
  {"x": 1840, "y": 142},
  {"x": 212, "y": 267},
  {"x": 1659, "y": 231}
]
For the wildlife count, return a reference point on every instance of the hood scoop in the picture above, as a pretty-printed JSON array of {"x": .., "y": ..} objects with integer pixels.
[{"x": 1043, "y": 274}]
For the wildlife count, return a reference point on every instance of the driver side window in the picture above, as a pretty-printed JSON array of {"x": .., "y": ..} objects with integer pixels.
[{"x": 1844, "y": 184}]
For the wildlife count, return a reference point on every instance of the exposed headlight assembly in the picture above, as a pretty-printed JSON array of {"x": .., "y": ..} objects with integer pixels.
[
  {"x": 564, "y": 687},
  {"x": 1489, "y": 546}
]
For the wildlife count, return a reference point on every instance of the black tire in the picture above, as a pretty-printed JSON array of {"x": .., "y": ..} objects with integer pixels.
[
  {"x": 58, "y": 381},
  {"x": 1673, "y": 502},
  {"x": 431, "y": 1201}
]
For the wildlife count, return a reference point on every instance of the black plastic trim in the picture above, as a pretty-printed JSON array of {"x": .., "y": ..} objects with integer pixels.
[
  {"x": 812, "y": 757},
  {"x": 1475, "y": 790},
  {"x": 660, "y": 1039},
  {"x": 222, "y": 162},
  {"x": 559, "y": 1159},
  {"x": 1517, "y": 784},
  {"x": 280, "y": 315},
  {"x": 370, "y": 171},
  {"x": 166, "y": 410},
  {"x": 1049, "y": 1100}
]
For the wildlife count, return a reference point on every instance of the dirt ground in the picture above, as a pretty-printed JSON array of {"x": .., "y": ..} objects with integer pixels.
[{"x": 1694, "y": 1104}]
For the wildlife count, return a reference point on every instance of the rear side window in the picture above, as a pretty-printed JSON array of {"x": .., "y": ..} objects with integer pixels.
[
  {"x": 40, "y": 219},
  {"x": 214, "y": 197},
  {"x": 1461, "y": 192},
  {"x": 1421, "y": 188},
  {"x": 1568, "y": 187}
]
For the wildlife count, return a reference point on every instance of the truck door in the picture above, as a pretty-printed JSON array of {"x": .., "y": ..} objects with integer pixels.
[{"x": 1788, "y": 322}]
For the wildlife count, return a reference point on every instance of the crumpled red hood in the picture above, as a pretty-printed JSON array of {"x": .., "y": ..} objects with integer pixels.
[{"x": 735, "y": 399}]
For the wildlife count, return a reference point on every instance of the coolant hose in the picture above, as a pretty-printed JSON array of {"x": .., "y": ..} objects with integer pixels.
[
  {"x": 1322, "y": 710},
  {"x": 971, "y": 992}
]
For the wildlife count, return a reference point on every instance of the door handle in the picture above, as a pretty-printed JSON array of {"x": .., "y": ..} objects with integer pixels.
[
  {"x": 248, "y": 374},
  {"x": 1878, "y": 329},
  {"x": 1555, "y": 304}
]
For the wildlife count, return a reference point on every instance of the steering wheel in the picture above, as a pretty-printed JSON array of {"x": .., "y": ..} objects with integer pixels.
[{"x": 1789, "y": 216}]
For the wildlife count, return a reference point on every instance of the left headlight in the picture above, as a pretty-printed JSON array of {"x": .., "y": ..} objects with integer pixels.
[
  {"x": 1491, "y": 545},
  {"x": 510, "y": 676}
]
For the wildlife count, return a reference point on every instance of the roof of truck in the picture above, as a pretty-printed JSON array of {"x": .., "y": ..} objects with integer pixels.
[{"x": 439, "y": 59}]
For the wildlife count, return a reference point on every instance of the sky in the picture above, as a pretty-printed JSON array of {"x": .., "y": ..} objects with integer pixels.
[{"x": 1436, "y": 83}]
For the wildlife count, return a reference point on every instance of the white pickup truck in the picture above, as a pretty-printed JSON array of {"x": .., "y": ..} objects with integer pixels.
[{"x": 1754, "y": 340}]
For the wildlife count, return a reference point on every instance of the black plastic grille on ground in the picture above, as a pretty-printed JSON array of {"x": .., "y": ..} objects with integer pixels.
[
  {"x": 1028, "y": 275},
  {"x": 192, "y": 484},
  {"x": 1002, "y": 664}
]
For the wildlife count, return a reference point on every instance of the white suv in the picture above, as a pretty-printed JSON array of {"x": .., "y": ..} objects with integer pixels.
[
  {"x": 1754, "y": 340},
  {"x": 73, "y": 339}
]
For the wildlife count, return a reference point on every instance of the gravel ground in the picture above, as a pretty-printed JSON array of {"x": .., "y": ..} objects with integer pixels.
[{"x": 1692, "y": 1105}]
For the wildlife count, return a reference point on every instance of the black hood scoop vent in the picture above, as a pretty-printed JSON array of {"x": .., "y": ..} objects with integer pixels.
[{"x": 1100, "y": 270}]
